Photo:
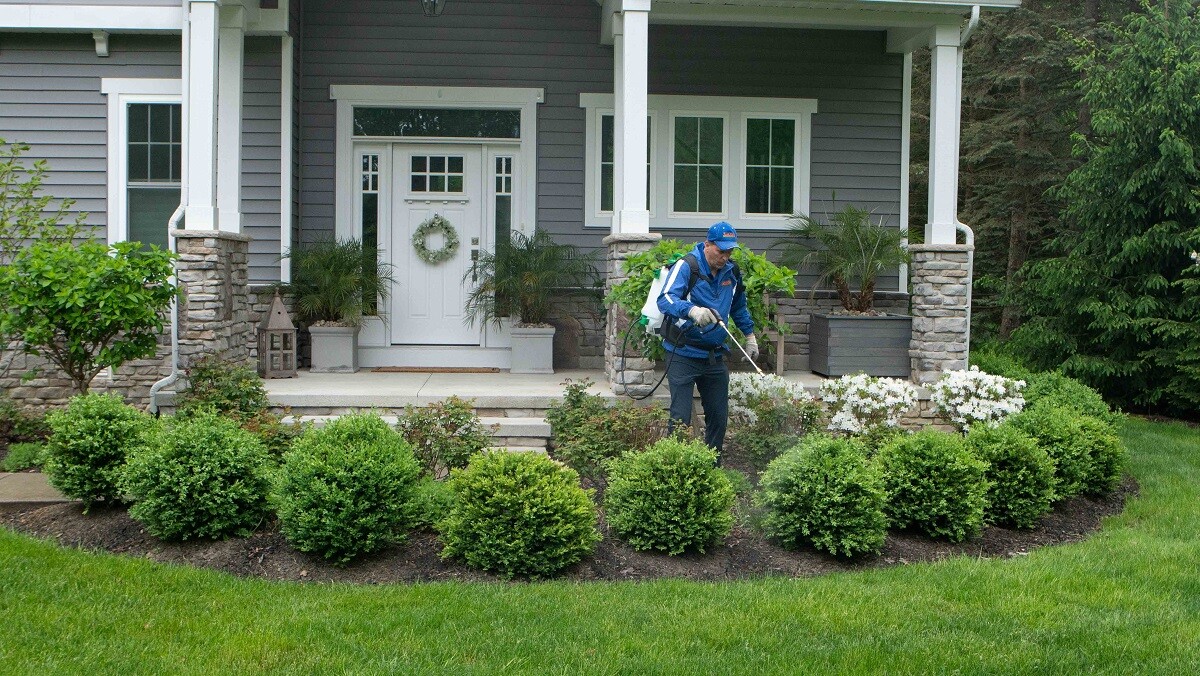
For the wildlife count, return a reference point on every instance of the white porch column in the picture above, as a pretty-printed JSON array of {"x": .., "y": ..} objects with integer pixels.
[
  {"x": 631, "y": 42},
  {"x": 201, "y": 115},
  {"x": 944, "y": 113},
  {"x": 230, "y": 60}
]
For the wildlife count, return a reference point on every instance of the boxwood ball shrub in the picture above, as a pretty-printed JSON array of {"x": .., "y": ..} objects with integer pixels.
[
  {"x": 934, "y": 483},
  {"x": 347, "y": 489},
  {"x": 519, "y": 514},
  {"x": 89, "y": 441},
  {"x": 201, "y": 477},
  {"x": 1060, "y": 432},
  {"x": 1055, "y": 389},
  {"x": 670, "y": 498},
  {"x": 1109, "y": 456},
  {"x": 823, "y": 491},
  {"x": 1020, "y": 475}
]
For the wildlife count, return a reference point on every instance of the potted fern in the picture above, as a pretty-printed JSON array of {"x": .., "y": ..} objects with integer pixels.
[
  {"x": 520, "y": 280},
  {"x": 335, "y": 283},
  {"x": 852, "y": 251}
]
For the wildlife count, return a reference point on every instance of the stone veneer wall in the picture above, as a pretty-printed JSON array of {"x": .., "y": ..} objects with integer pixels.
[
  {"x": 796, "y": 311},
  {"x": 579, "y": 339},
  {"x": 627, "y": 373},
  {"x": 940, "y": 307}
]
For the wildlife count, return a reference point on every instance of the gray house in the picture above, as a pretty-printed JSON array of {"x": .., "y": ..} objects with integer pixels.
[{"x": 253, "y": 125}]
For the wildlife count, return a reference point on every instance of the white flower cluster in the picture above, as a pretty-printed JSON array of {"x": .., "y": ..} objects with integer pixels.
[
  {"x": 748, "y": 389},
  {"x": 861, "y": 404},
  {"x": 964, "y": 398}
]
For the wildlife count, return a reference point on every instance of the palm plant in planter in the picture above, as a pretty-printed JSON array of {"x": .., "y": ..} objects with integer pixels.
[
  {"x": 521, "y": 279},
  {"x": 335, "y": 283},
  {"x": 851, "y": 253}
]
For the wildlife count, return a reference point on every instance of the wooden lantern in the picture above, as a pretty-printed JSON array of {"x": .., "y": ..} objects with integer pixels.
[{"x": 277, "y": 342}]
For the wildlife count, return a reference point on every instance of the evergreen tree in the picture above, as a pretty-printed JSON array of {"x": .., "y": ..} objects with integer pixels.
[{"x": 1117, "y": 305}]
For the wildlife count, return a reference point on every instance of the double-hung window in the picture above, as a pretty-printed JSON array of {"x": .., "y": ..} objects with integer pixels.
[{"x": 709, "y": 158}]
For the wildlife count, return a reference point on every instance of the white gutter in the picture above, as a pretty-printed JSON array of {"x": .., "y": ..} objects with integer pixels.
[{"x": 177, "y": 216}]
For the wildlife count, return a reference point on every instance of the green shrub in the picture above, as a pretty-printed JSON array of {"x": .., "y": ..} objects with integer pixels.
[
  {"x": 518, "y": 514},
  {"x": 88, "y": 444},
  {"x": 670, "y": 498},
  {"x": 347, "y": 489},
  {"x": 1055, "y": 389},
  {"x": 276, "y": 435},
  {"x": 432, "y": 502},
  {"x": 825, "y": 492},
  {"x": 1020, "y": 475},
  {"x": 1109, "y": 456},
  {"x": 934, "y": 483},
  {"x": 588, "y": 433},
  {"x": 24, "y": 455},
  {"x": 229, "y": 388},
  {"x": 1060, "y": 432},
  {"x": 992, "y": 359},
  {"x": 17, "y": 424},
  {"x": 444, "y": 435},
  {"x": 768, "y": 415},
  {"x": 202, "y": 477}
]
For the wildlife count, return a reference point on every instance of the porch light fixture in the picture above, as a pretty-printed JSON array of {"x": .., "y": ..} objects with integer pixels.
[
  {"x": 432, "y": 7},
  {"x": 277, "y": 342}
]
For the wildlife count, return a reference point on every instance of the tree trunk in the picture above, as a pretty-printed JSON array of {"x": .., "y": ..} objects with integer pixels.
[{"x": 1018, "y": 241}]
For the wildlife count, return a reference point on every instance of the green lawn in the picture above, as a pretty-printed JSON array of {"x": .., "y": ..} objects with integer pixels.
[{"x": 1126, "y": 601}]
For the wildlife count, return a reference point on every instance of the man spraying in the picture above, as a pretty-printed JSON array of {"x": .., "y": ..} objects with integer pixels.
[{"x": 703, "y": 289}]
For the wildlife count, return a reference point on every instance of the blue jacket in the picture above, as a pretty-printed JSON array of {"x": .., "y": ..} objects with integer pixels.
[{"x": 721, "y": 294}]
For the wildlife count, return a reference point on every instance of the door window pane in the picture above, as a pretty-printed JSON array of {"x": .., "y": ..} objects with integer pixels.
[
  {"x": 504, "y": 176},
  {"x": 770, "y": 166},
  {"x": 437, "y": 173},
  {"x": 699, "y": 160},
  {"x": 437, "y": 122},
  {"x": 369, "y": 200}
]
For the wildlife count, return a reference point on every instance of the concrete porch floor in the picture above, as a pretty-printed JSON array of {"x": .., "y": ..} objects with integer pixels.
[{"x": 371, "y": 389}]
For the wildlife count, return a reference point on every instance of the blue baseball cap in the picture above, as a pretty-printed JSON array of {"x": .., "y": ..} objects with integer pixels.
[{"x": 723, "y": 235}]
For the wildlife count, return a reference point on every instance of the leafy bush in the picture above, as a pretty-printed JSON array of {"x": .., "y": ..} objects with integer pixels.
[
  {"x": 432, "y": 502},
  {"x": 824, "y": 491},
  {"x": 229, "y": 388},
  {"x": 862, "y": 405},
  {"x": 24, "y": 455},
  {"x": 338, "y": 281},
  {"x": 669, "y": 498},
  {"x": 108, "y": 305},
  {"x": 276, "y": 435},
  {"x": 347, "y": 489},
  {"x": 934, "y": 483},
  {"x": 1109, "y": 457},
  {"x": 1057, "y": 389},
  {"x": 588, "y": 433},
  {"x": 17, "y": 424},
  {"x": 1020, "y": 475},
  {"x": 758, "y": 274},
  {"x": 202, "y": 477},
  {"x": 443, "y": 435},
  {"x": 1061, "y": 433},
  {"x": 88, "y": 444},
  {"x": 518, "y": 514},
  {"x": 768, "y": 414},
  {"x": 991, "y": 358},
  {"x": 967, "y": 398}
]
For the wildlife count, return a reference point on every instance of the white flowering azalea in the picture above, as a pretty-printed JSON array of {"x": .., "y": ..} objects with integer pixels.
[
  {"x": 747, "y": 391},
  {"x": 862, "y": 405},
  {"x": 965, "y": 398}
]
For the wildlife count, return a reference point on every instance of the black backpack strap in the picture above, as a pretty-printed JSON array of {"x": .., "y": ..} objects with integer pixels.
[{"x": 694, "y": 265}]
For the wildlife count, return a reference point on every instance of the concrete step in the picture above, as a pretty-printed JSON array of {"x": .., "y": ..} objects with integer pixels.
[{"x": 506, "y": 428}]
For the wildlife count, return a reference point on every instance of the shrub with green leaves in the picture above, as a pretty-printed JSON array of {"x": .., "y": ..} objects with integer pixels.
[
  {"x": 88, "y": 444},
  {"x": 1056, "y": 389},
  {"x": 768, "y": 415},
  {"x": 1108, "y": 454},
  {"x": 991, "y": 358},
  {"x": 824, "y": 491},
  {"x": 1020, "y": 475},
  {"x": 1060, "y": 432},
  {"x": 432, "y": 502},
  {"x": 17, "y": 424},
  {"x": 934, "y": 483},
  {"x": 201, "y": 477},
  {"x": 588, "y": 433},
  {"x": 519, "y": 514},
  {"x": 24, "y": 455},
  {"x": 670, "y": 498},
  {"x": 444, "y": 435},
  {"x": 229, "y": 388},
  {"x": 347, "y": 489}
]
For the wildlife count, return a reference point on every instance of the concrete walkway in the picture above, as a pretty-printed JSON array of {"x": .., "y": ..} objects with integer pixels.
[{"x": 27, "y": 487}]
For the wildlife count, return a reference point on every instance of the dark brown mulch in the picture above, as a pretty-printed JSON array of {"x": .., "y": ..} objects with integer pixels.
[{"x": 744, "y": 554}]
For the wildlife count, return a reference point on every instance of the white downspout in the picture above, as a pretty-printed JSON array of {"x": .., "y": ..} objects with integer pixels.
[
  {"x": 173, "y": 242},
  {"x": 959, "y": 225}
]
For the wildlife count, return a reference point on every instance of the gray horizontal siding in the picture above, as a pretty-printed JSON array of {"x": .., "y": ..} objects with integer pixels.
[
  {"x": 50, "y": 100},
  {"x": 115, "y": 3},
  {"x": 260, "y": 157}
]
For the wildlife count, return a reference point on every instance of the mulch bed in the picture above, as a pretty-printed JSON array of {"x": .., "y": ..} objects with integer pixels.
[{"x": 744, "y": 554}]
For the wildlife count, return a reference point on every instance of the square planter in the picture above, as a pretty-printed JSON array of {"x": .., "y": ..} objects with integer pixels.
[
  {"x": 842, "y": 345},
  {"x": 532, "y": 349},
  {"x": 334, "y": 349}
]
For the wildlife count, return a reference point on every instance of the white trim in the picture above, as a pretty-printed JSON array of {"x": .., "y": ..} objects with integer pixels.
[
  {"x": 285, "y": 156},
  {"x": 348, "y": 96},
  {"x": 663, "y": 109},
  {"x": 200, "y": 133},
  {"x": 41, "y": 16},
  {"x": 121, "y": 92},
  {"x": 231, "y": 87}
]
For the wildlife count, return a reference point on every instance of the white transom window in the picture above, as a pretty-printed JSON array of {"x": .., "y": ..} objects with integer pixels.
[{"x": 709, "y": 158}]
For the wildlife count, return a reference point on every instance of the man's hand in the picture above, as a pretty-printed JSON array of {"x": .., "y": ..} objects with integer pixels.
[
  {"x": 752, "y": 347},
  {"x": 702, "y": 316}
]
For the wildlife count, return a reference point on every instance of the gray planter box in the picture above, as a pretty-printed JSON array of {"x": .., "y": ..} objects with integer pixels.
[
  {"x": 334, "y": 349},
  {"x": 845, "y": 344},
  {"x": 532, "y": 349}
]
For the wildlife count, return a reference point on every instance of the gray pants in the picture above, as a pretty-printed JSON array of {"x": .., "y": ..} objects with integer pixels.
[{"x": 712, "y": 379}]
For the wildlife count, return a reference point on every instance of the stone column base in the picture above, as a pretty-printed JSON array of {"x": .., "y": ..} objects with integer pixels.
[
  {"x": 214, "y": 312},
  {"x": 627, "y": 373},
  {"x": 940, "y": 309}
]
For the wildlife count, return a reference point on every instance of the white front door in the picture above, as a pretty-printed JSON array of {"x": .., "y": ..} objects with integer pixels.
[{"x": 428, "y": 299}]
